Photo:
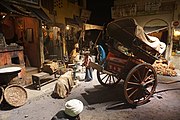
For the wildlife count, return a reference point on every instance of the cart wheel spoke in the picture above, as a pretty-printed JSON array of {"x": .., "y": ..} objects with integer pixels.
[
  {"x": 110, "y": 80},
  {"x": 139, "y": 75},
  {"x": 107, "y": 79},
  {"x": 150, "y": 81},
  {"x": 133, "y": 83},
  {"x": 136, "y": 78},
  {"x": 131, "y": 88},
  {"x": 104, "y": 77},
  {"x": 113, "y": 79},
  {"x": 146, "y": 74},
  {"x": 133, "y": 93},
  {"x": 147, "y": 77}
]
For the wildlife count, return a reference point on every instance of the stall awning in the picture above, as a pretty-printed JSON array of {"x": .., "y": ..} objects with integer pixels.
[
  {"x": 40, "y": 14},
  {"x": 72, "y": 22},
  {"x": 25, "y": 11},
  {"x": 60, "y": 25},
  {"x": 15, "y": 9},
  {"x": 93, "y": 27}
]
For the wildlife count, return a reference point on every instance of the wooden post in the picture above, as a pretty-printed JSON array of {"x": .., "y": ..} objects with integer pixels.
[{"x": 41, "y": 44}]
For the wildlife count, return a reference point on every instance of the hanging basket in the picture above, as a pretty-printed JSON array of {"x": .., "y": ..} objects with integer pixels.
[
  {"x": 15, "y": 95},
  {"x": 1, "y": 94}
]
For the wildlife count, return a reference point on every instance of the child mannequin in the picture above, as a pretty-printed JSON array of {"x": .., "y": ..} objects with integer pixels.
[{"x": 87, "y": 60}]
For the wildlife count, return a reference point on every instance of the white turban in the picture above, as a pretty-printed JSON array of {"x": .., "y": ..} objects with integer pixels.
[{"x": 73, "y": 107}]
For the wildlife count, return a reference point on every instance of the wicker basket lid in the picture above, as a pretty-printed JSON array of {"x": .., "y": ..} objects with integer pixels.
[
  {"x": 15, "y": 95},
  {"x": 1, "y": 94}
]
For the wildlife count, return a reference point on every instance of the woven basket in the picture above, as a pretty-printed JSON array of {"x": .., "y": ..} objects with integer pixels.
[
  {"x": 1, "y": 94},
  {"x": 15, "y": 95}
]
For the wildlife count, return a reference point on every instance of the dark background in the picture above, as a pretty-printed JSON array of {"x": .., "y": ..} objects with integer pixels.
[
  {"x": 100, "y": 15},
  {"x": 100, "y": 11}
]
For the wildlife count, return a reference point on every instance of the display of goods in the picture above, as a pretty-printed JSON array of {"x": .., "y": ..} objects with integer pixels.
[{"x": 163, "y": 67}]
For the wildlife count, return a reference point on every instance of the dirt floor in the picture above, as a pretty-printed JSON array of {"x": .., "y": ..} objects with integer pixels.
[{"x": 164, "y": 105}]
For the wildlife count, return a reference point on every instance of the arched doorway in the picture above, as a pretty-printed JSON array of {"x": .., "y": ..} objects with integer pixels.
[{"x": 157, "y": 28}]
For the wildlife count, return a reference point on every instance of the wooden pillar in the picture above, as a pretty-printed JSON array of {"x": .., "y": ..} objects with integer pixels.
[{"x": 41, "y": 44}]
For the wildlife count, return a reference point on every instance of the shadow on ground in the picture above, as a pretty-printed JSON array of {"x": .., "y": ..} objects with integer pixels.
[
  {"x": 114, "y": 97},
  {"x": 100, "y": 94},
  {"x": 4, "y": 106}
]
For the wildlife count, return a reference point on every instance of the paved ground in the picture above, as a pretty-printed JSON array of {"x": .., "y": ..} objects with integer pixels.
[{"x": 164, "y": 105}]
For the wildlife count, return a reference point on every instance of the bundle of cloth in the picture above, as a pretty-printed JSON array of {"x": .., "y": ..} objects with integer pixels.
[
  {"x": 63, "y": 85},
  {"x": 152, "y": 41}
]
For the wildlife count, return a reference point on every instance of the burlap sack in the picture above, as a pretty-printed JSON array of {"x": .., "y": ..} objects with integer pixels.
[{"x": 64, "y": 85}]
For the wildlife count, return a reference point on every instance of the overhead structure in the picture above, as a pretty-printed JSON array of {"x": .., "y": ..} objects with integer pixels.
[{"x": 91, "y": 27}]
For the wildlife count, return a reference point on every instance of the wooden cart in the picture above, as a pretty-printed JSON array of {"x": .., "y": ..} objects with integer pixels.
[{"x": 129, "y": 59}]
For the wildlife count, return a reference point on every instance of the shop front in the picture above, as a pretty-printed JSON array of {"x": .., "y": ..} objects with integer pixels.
[
  {"x": 53, "y": 37},
  {"x": 20, "y": 27}
]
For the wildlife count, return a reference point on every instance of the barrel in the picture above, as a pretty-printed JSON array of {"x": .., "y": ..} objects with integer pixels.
[{"x": 1, "y": 94}]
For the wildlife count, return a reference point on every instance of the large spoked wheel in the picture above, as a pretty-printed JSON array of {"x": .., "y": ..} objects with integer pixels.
[
  {"x": 140, "y": 84},
  {"x": 107, "y": 80}
]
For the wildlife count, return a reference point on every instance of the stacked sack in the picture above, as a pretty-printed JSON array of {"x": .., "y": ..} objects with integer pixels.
[{"x": 163, "y": 67}]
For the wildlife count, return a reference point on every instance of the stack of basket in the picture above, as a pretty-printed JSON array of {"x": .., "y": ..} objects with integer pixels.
[{"x": 163, "y": 67}]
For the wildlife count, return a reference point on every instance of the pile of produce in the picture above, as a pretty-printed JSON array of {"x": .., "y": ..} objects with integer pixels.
[{"x": 164, "y": 67}]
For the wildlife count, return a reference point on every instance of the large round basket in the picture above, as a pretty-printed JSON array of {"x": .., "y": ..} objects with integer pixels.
[
  {"x": 1, "y": 94},
  {"x": 15, "y": 95}
]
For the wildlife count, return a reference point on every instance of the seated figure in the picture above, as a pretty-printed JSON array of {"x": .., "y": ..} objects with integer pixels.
[
  {"x": 75, "y": 54},
  {"x": 152, "y": 41}
]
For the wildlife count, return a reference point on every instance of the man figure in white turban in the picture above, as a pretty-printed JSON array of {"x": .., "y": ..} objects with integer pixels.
[{"x": 72, "y": 111}]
